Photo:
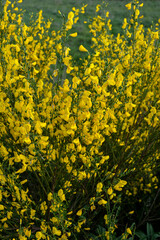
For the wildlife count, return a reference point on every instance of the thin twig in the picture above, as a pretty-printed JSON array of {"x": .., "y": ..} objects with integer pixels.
[{"x": 146, "y": 217}]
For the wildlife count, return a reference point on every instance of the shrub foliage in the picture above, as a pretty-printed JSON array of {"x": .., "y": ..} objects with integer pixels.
[{"x": 78, "y": 140}]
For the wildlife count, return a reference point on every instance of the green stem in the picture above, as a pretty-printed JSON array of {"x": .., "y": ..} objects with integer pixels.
[{"x": 40, "y": 182}]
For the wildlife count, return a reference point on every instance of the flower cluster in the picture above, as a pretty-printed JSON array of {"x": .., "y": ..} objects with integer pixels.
[{"x": 75, "y": 138}]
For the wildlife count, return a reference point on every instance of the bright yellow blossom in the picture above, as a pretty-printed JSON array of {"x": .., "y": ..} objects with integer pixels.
[
  {"x": 73, "y": 34},
  {"x": 79, "y": 213},
  {"x": 82, "y": 48},
  {"x": 128, "y": 6},
  {"x": 99, "y": 187}
]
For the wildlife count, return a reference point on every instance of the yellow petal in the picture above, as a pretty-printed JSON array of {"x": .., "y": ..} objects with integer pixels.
[
  {"x": 128, "y": 230},
  {"x": 110, "y": 191},
  {"x": 107, "y": 14},
  {"x": 79, "y": 213},
  {"x": 70, "y": 15},
  {"x": 73, "y": 34},
  {"x": 128, "y": 6},
  {"x": 1, "y": 207},
  {"x": 82, "y": 48}
]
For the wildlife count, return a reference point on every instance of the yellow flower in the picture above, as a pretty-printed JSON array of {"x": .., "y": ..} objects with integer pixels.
[
  {"x": 61, "y": 195},
  {"x": 43, "y": 207},
  {"x": 128, "y": 230},
  {"x": 79, "y": 213},
  {"x": 110, "y": 191},
  {"x": 120, "y": 185},
  {"x": 99, "y": 187},
  {"x": 27, "y": 140},
  {"x": 69, "y": 213},
  {"x": 124, "y": 23},
  {"x": 1, "y": 207},
  {"x": 82, "y": 48},
  {"x": 54, "y": 220},
  {"x": 137, "y": 12},
  {"x": 38, "y": 127},
  {"x": 141, "y": 17},
  {"x": 102, "y": 202},
  {"x": 106, "y": 219},
  {"x": 38, "y": 235},
  {"x": 0, "y": 195},
  {"x": 32, "y": 213},
  {"x": 98, "y": 7},
  {"x": 27, "y": 232},
  {"x": 81, "y": 175},
  {"x": 70, "y": 15},
  {"x": 155, "y": 35},
  {"x": 131, "y": 212},
  {"x": 73, "y": 34},
  {"x": 107, "y": 235},
  {"x": 50, "y": 196},
  {"x": 128, "y": 6},
  {"x": 3, "y": 151},
  {"x": 107, "y": 14},
  {"x": 55, "y": 231}
]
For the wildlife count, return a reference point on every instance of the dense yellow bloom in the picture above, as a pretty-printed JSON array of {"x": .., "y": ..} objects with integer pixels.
[{"x": 70, "y": 130}]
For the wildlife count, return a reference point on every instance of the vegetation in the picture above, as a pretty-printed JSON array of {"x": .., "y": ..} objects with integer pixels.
[
  {"x": 79, "y": 134},
  {"x": 116, "y": 8}
]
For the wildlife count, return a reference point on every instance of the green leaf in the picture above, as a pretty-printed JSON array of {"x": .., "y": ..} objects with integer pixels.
[
  {"x": 100, "y": 230},
  {"x": 150, "y": 231},
  {"x": 141, "y": 235},
  {"x": 156, "y": 235}
]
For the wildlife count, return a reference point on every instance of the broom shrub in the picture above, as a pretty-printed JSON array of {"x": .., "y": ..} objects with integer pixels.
[{"x": 79, "y": 139}]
